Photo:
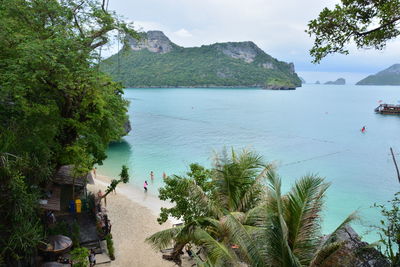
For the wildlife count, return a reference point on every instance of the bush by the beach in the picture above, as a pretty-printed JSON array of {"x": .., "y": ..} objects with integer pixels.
[
  {"x": 110, "y": 246},
  {"x": 80, "y": 257}
]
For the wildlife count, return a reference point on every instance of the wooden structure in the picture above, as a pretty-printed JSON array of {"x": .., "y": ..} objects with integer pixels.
[
  {"x": 388, "y": 109},
  {"x": 64, "y": 176},
  {"x": 53, "y": 202}
]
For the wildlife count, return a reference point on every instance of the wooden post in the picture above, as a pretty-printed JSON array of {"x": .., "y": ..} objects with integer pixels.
[{"x": 395, "y": 164}]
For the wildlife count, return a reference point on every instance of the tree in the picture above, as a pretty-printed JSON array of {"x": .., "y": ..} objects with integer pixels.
[
  {"x": 389, "y": 230},
  {"x": 54, "y": 100},
  {"x": 124, "y": 178},
  {"x": 20, "y": 228},
  {"x": 234, "y": 185},
  {"x": 56, "y": 107},
  {"x": 176, "y": 190},
  {"x": 249, "y": 220},
  {"x": 369, "y": 24}
]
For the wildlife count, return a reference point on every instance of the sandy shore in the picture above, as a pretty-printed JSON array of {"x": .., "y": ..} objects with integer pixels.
[{"x": 133, "y": 216}]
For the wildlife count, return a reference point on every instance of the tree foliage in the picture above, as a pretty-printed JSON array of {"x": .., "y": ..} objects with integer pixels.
[
  {"x": 124, "y": 178},
  {"x": 247, "y": 219},
  {"x": 367, "y": 23},
  {"x": 20, "y": 229},
  {"x": 389, "y": 229},
  {"x": 176, "y": 190},
  {"x": 56, "y": 107}
]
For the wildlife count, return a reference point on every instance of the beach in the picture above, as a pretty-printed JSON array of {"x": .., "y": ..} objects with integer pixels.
[{"x": 133, "y": 216}]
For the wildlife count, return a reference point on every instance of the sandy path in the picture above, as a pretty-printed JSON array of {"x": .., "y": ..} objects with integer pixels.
[{"x": 131, "y": 223}]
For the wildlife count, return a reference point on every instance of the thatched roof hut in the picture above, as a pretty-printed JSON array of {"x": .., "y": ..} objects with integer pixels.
[{"x": 64, "y": 176}]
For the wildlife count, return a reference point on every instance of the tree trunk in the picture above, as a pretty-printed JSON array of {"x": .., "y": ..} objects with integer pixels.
[{"x": 175, "y": 256}]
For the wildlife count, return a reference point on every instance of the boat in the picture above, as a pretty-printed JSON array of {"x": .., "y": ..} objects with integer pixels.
[{"x": 388, "y": 109}]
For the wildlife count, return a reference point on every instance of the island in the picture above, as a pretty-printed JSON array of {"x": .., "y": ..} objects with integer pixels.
[
  {"x": 340, "y": 81},
  {"x": 389, "y": 76},
  {"x": 155, "y": 61}
]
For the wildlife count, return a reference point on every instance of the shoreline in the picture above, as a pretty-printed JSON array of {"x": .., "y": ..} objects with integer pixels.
[
  {"x": 133, "y": 215},
  {"x": 147, "y": 200}
]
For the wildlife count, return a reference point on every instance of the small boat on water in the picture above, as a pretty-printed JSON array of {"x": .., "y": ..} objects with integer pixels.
[{"x": 388, "y": 109}]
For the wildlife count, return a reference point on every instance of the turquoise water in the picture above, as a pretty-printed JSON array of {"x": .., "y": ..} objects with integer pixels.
[{"x": 314, "y": 129}]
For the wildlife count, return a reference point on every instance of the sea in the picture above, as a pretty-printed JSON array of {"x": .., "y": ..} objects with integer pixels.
[{"x": 315, "y": 129}]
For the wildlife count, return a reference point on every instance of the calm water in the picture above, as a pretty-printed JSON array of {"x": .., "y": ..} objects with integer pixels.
[{"x": 315, "y": 129}]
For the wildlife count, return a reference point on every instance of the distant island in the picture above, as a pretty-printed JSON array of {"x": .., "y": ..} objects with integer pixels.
[
  {"x": 155, "y": 61},
  {"x": 389, "y": 76},
  {"x": 340, "y": 81}
]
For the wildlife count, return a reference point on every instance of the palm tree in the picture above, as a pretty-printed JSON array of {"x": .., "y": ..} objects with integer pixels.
[
  {"x": 253, "y": 222},
  {"x": 285, "y": 229},
  {"x": 237, "y": 181}
]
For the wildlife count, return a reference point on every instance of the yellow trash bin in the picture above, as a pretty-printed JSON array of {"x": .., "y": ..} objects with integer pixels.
[{"x": 78, "y": 205}]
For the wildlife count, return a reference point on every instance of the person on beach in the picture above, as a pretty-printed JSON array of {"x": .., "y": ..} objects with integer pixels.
[
  {"x": 145, "y": 186},
  {"x": 92, "y": 258},
  {"x": 99, "y": 196},
  {"x": 152, "y": 175},
  {"x": 164, "y": 175},
  {"x": 94, "y": 172}
]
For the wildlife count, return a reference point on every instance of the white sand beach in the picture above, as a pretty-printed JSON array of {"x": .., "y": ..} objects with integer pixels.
[{"x": 133, "y": 216}]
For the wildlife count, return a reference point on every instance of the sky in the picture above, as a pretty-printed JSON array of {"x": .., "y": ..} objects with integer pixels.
[{"x": 276, "y": 26}]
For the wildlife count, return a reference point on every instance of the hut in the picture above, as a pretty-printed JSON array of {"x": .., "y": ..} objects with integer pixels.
[{"x": 67, "y": 181}]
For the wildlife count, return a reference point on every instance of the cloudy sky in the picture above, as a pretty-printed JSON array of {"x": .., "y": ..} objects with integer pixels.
[{"x": 276, "y": 26}]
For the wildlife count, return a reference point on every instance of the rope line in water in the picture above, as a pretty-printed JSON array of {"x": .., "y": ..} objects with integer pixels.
[{"x": 316, "y": 157}]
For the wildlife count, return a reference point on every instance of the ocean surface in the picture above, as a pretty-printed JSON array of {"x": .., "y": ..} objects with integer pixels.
[{"x": 312, "y": 130}]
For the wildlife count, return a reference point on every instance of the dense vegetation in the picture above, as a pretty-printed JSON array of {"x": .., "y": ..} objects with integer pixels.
[
  {"x": 389, "y": 76},
  {"x": 237, "y": 214},
  {"x": 56, "y": 107},
  {"x": 197, "y": 66}
]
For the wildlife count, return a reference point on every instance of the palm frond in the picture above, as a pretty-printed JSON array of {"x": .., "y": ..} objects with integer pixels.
[
  {"x": 217, "y": 252},
  {"x": 242, "y": 237},
  {"x": 255, "y": 191},
  {"x": 302, "y": 207},
  {"x": 200, "y": 197},
  {"x": 165, "y": 238},
  {"x": 276, "y": 231}
]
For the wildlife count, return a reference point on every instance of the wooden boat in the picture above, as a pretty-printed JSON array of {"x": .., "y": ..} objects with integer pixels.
[{"x": 388, "y": 109}]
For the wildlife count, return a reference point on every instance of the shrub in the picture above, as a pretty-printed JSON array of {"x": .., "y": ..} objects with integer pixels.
[
  {"x": 80, "y": 257},
  {"x": 75, "y": 233},
  {"x": 110, "y": 246}
]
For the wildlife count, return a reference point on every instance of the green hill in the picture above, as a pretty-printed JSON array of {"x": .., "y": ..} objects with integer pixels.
[
  {"x": 389, "y": 76},
  {"x": 157, "y": 62}
]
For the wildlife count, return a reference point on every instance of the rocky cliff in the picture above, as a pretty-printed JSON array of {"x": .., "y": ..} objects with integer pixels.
[
  {"x": 155, "y": 61},
  {"x": 389, "y": 76},
  {"x": 354, "y": 252},
  {"x": 153, "y": 41}
]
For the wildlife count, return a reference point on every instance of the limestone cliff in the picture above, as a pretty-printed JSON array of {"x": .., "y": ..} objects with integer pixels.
[
  {"x": 155, "y": 61},
  {"x": 154, "y": 41}
]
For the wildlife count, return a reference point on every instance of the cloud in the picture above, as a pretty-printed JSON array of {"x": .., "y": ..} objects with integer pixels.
[{"x": 183, "y": 33}]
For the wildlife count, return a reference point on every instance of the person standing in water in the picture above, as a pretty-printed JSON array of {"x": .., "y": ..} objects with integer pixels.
[
  {"x": 363, "y": 129},
  {"x": 152, "y": 175},
  {"x": 164, "y": 175},
  {"x": 145, "y": 186}
]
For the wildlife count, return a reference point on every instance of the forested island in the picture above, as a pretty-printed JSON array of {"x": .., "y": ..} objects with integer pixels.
[
  {"x": 389, "y": 76},
  {"x": 155, "y": 61}
]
